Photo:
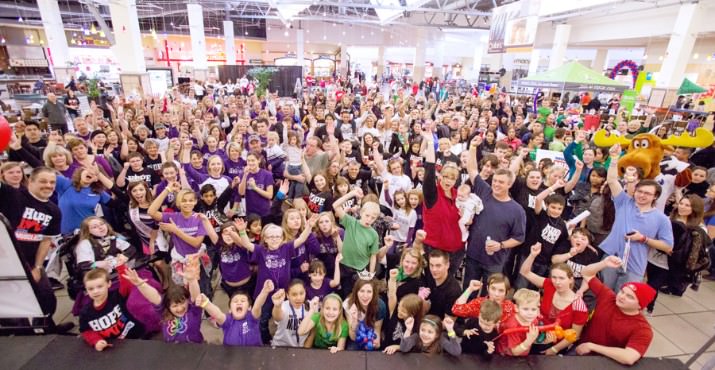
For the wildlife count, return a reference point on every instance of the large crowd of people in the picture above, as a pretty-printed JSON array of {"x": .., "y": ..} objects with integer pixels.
[{"x": 353, "y": 219}]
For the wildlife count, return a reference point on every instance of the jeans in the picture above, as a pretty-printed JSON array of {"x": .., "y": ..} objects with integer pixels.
[
  {"x": 476, "y": 271},
  {"x": 521, "y": 282},
  {"x": 615, "y": 278},
  {"x": 657, "y": 277},
  {"x": 46, "y": 295}
]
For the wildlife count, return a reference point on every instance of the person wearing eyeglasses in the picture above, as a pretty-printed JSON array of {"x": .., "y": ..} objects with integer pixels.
[{"x": 638, "y": 227}]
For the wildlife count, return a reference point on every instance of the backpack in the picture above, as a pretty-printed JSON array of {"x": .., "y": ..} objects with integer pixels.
[{"x": 698, "y": 258}]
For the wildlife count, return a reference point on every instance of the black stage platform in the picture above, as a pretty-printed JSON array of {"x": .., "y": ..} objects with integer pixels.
[{"x": 70, "y": 353}]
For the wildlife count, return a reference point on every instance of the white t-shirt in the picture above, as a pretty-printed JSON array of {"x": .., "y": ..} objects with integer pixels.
[
  {"x": 401, "y": 182},
  {"x": 287, "y": 330},
  {"x": 406, "y": 221}
]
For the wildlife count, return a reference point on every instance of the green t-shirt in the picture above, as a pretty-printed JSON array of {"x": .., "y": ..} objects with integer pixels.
[
  {"x": 549, "y": 133},
  {"x": 557, "y": 146},
  {"x": 359, "y": 243},
  {"x": 325, "y": 338}
]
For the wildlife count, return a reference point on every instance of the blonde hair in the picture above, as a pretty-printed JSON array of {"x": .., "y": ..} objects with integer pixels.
[
  {"x": 525, "y": 296},
  {"x": 184, "y": 192},
  {"x": 52, "y": 150},
  {"x": 370, "y": 207}
]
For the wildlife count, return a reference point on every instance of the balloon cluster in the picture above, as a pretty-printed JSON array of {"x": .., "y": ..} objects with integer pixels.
[
  {"x": 568, "y": 334},
  {"x": 365, "y": 336}
]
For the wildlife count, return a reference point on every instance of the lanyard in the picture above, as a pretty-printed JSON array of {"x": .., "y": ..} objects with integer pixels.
[{"x": 302, "y": 316}]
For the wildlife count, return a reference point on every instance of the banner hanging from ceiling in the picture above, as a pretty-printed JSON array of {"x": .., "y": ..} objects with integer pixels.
[{"x": 513, "y": 27}]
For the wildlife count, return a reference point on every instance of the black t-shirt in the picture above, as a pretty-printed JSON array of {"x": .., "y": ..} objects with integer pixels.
[
  {"x": 550, "y": 232},
  {"x": 442, "y": 297},
  {"x": 443, "y": 159},
  {"x": 319, "y": 201},
  {"x": 31, "y": 219},
  {"x": 475, "y": 343},
  {"x": 579, "y": 261},
  {"x": 360, "y": 181},
  {"x": 112, "y": 320},
  {"x": 153, "y": 164},
  {"x": 72, "y": 101},
  {"x": 145, "y": 174}
]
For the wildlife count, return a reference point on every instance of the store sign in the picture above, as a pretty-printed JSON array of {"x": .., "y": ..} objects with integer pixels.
[{"x": 499, "y": 22}]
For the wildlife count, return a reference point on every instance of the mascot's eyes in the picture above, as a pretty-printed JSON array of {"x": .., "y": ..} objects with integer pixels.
[
  {"x": 636, "y": 144},
  {"x": 644, "y": 143}
]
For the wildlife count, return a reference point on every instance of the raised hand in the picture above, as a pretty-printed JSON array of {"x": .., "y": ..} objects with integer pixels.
[
  {"x": 475, "y": 285},
  {"x": 314, "y": 304},
  {"x": 536, "y": 249},
  {"x": 469, "y": 332},
  {"x": 133, "y": 277},
  {"x": 448, "y": 323},
  {"x": 393, "y": 274},
  {"x": 613, "y": 262},
  {"x": 409, "y": 323},
  {"x": 278, "y": 297},
  {"x": 615, "y": 150},
  {"x": 532, "y": 334},
  {"x": 268, "y": 286}
]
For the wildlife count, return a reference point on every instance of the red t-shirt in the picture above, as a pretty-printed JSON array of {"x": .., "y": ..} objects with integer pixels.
[
  {"x": 575, "y": 313},
  {"x": 472, "y": 308},
  {"x": 610, "y": 327},
  {"x": 508, "y": 341}
]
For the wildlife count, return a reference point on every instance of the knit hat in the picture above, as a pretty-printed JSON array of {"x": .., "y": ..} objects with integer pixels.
[
  {"x": 95, "y": 133},
  {"x": 644, "y": 292}
]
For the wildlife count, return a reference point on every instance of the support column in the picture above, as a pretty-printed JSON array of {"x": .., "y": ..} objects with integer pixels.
[
  {"x": 558, "y": 50},
  {"x": 229, "y": 43},
  {"x": 300, "y": 49},
  {"x": 680, "y": 47},
  {"x": 128, "y": 48},
  {"x": 58, "y": 50},
  {"x": 198, "y": 40},
  {"x": 380, "y": 62},
  {"x": 534, "y": 61},
  {"x": 343, "y": 71},
  {"x": 477, "y": 61},
  {"x": 438, "y": 62},
  {"x": 418, "y": 66},
  {"x": 599, "y": 62}
]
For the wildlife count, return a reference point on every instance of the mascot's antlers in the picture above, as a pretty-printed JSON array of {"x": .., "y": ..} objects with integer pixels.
[
  {"x": 703, "y": 138},
  {"x": 603, "y": 138}
]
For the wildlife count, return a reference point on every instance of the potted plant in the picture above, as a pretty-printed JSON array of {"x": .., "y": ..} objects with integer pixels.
[
  {"x": 93, "y": 92},
  {"x": 263, "y": 76}
]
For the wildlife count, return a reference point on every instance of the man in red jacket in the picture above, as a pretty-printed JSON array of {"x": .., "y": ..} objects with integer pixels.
[{"x": 618, "y": 329}]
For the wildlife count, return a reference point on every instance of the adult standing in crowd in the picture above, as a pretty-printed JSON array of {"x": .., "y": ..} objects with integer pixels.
[
  {"x": 55, "y": 113},
  {"x": 638, "y": 226},
  {"x": 498, "y": 228}
]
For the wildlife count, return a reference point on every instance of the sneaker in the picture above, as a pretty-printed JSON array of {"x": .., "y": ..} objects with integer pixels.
[
  {"x": 56, "y": 285},
  {"x": 62, "y": 328}
]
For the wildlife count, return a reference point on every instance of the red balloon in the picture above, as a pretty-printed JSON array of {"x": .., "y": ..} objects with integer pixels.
[{"x": 5, "y": 133}]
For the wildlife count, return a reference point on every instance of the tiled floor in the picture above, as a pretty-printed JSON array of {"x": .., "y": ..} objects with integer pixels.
[{"x": 681, "y": 324}]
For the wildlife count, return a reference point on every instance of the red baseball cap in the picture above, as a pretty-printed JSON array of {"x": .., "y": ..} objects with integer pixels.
[{"x": 644, "y": 292}]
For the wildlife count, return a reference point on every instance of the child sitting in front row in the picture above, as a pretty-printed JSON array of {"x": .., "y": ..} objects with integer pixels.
[
  {"x": 329, "y": 327},
  {"x": 478, "y": 335},
  {"x": 107, "y": 317},
  {"x": 240, "y": 324},
  {"x": 527, "y": 314},
  {"x": 181, "y": 322},
  {"x": 430, "y": 338}
]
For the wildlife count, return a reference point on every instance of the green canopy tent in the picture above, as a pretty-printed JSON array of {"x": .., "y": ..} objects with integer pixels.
[
  {"x": 573, "y": 76},
  {"x": 689, "y": 87}
]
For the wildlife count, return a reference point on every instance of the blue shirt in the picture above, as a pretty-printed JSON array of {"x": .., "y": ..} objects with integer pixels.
[
  {"x": 76, "y": 205},
  {"x": 654, "y": 224},
  {"x": 499, "y": 220}
]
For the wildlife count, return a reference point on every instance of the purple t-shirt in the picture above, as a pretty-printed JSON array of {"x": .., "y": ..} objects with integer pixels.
[
  {"x": 321, "y": 292},
  {"x": 273, "y": 265},
  {"x": 244, "y": 332},
  {"x": 234, "y": 263},
  {"x": 255, "y": 203},
  {"x": 234, "y": 169},
  {"x": 327, "y": 250},
  {"x": 192, "y": 226},
  {"x": 304, "y": 253},
  {"x": 207, "y": 153},
  {"x": 170, "y": 198},
  {"x": 185, "y": 329}
]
